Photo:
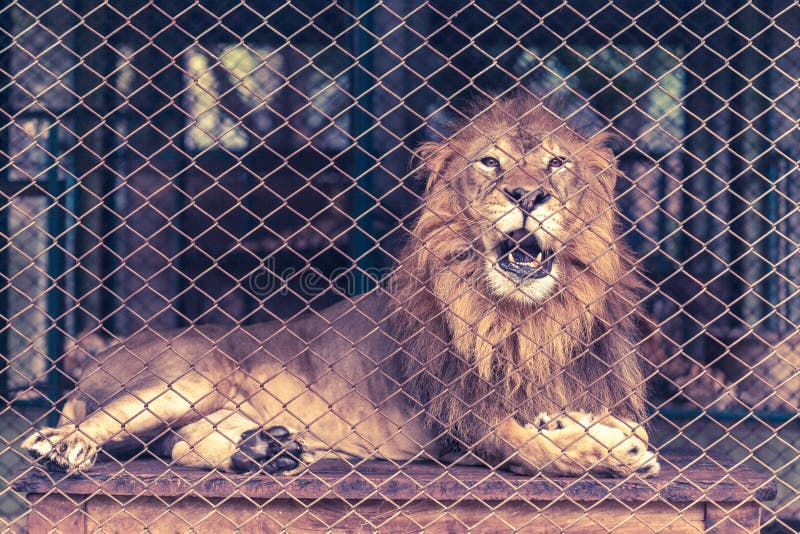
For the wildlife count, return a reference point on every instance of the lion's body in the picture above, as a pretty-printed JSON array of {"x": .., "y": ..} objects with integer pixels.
[
  {"x": 332, "y": 373},
  {"x": 509, "y": 322}
]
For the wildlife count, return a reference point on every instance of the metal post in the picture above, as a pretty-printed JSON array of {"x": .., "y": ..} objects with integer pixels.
[
  {"x": 362, "y": 206},
  {"x": 55, "y": 273},
  {"x": 5, "y": 148}
]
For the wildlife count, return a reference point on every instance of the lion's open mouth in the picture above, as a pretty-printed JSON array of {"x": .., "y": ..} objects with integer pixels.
[{"x": 521, "y": 254}]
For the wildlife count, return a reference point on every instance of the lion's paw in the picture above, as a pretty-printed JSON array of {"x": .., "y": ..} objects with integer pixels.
[
  {"x": 274, "y": 450},
  {"x": 624, "y": 425},
  {"x": 616, "y": 452},
  {"x": 540, "y": 422},
  {"x": 545, "y": 421},
  {"x": 63, "y": 448},
  {"x": 601, "y": 444}
]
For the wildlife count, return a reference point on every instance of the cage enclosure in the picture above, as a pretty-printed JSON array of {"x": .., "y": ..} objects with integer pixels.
[{"x": 167, "y": 166}]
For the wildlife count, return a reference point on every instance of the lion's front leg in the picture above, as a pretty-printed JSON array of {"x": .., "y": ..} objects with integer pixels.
[{"x": 577, "y": 443}]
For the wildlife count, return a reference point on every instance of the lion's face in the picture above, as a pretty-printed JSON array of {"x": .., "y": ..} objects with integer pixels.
[
  {"x": 519, "y": 195},
  {"x": 533, "y": 193}
]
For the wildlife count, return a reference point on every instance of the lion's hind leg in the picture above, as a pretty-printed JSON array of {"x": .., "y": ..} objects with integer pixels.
[{"x": 230, "y": 441}]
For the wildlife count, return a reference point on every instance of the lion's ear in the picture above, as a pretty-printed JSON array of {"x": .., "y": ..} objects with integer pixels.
[{"x": 434, "y": 158}]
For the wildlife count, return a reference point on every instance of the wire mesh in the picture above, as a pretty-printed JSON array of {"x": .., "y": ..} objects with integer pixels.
[{"x": 166, "y": 165}]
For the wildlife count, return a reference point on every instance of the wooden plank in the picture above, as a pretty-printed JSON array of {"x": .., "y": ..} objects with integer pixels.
[
  {"x": 281, "y": 515},
  {"x": 56, "y": 513},
  {"x": 732, "y": 519},
  {"x": 681, "y": 480}
]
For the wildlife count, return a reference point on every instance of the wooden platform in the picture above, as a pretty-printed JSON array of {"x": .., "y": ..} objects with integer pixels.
[{"x": 690, "y": 495}]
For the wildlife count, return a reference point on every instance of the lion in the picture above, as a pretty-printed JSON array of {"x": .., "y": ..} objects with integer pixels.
[{"x": 506, "y": 337}]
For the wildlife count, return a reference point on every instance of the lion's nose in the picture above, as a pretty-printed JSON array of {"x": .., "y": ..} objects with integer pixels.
[{"x": 528, "y": 200}]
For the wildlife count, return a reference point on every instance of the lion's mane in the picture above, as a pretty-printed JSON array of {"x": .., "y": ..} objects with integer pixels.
[{"x": 471, "y": 358}]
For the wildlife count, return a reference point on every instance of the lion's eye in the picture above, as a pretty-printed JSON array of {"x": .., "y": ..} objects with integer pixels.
[
  {"x": 490, "y": 162},
  {"x": 556, "y": 162}
]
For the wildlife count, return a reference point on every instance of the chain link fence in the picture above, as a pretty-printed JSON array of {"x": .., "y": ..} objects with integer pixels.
[{"x": 166, "y": 164}]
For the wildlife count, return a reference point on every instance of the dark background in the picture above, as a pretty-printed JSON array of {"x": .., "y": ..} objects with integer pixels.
[{"x": 178, "y": 150}]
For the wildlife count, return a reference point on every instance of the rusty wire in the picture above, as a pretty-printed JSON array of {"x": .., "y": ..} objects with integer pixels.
[{"x": 167, "y": 164}]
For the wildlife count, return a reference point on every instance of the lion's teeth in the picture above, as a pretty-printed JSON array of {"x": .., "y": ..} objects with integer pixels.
[{"x": 528, "y": 261}]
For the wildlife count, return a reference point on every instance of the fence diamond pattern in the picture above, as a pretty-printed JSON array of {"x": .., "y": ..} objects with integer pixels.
[{"x": 164, "y": 164}]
